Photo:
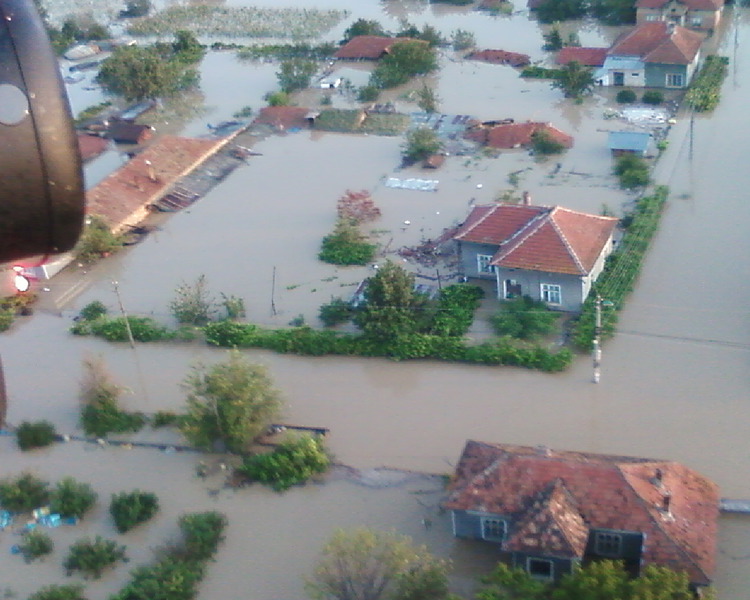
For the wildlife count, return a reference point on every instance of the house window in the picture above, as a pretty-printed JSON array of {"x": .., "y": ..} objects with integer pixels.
[
  {"x": 483, "y": 263},
  {"x": 540, "y": 568},
  {"x": 696, "y": 21},
  {"x": 493, "y": 529},
  {"x": 608, "y": 544},
  {"x": 652, "y": 17},
  {"x": 551, "y": 293},
  {"x": 675, "y": 80}
]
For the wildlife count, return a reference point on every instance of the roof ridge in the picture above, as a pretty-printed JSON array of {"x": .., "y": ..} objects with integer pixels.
[
  {"x": 564, "y": 238},
  {"x": 532, "y": 226}
]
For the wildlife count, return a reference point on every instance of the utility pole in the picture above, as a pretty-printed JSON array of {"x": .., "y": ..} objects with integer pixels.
[
  {"x": 124, "y": 315},
  {"x": 597, "y": 353},
  {"x": 273, "y": 292}
]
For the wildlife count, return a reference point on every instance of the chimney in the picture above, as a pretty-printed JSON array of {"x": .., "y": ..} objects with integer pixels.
[
  {"x": 670, "y": 27},
  {"x": 526, "y": 199},
  {"x": 666, "y": 501}
]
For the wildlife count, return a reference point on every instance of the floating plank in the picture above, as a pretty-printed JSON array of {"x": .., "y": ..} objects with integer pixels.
[{"x": 734, "y": 506}]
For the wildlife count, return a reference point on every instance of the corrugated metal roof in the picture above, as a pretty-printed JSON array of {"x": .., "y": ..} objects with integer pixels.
[{"x": 634, "y": 141}]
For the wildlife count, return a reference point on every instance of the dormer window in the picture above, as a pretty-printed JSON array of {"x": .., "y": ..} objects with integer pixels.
[
  {"x": 494, "y": 529},
  {"x": 608, "y": 544}
]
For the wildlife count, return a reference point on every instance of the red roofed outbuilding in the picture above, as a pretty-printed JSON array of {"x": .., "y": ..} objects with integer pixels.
[
  {"x": 515, "y": 135},
  {"x": 552, "y": 254},
  {"x": 369, "y": 47},
  {"x": 548, "y": 510}
]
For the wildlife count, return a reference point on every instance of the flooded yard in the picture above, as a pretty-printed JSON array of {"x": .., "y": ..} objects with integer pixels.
[{"x": 674, "y": 380}]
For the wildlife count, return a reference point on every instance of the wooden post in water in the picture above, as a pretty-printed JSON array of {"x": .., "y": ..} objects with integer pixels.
[
  {"x": 124, "y": 315},
  {"x": 273, "y": 292},
  {"x": 3, "y": 396}
]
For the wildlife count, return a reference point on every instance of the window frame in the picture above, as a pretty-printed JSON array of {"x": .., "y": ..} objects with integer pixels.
[
  {"x": 608, "y": 544},
  {"x": 493, "y": 521},
  {"x": 669, "y": 80},
  {"x": 546, "y": 293},
  {"x": 551, "y": 564},
  {"x": 483, "y": 264}
]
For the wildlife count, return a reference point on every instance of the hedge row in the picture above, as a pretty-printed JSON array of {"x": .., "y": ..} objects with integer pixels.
[
  {"x": 311, "y": 342},
  {"x": 705, "y": 91},
  {"x": 621, "y": 269}
]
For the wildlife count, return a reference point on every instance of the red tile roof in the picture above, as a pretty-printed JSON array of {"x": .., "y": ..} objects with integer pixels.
[
  {"x": 124, "y": 197},
  {"x": 589, "y": 57},
  {"x": 283, "y": 117},
  {"x": 515, "y": 135},
  {"x": 501, "y": 57},
  {"x": 555, "y": 497},
  {"x": 539, "y": 238},
  {"x": 91, "y": 146},
  {"x": 654, "y": 43},
  {"x": 369, "y": 46},
  {"x": 690, "y": 4}
]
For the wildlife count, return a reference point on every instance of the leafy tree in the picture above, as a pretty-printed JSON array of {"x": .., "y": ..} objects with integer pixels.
[
  {"x": 72, "y": 498},
  {"x": 391, "y": 306},
  {"x": 346, "y": 245},
  {"x": 187, "y": 48},
  {"x": 560, "y": 10},
  {"x": 632, "y": 170},
  {"x": 278, "y": 98},
  {"x": 363, "y": 564},
  {"x": 129, "y": 509},
  {"x": 192, "y": 303},
  {"x": 231, "y": 402},
  {"x": 92, "y": 557},
  {"x": 97, "y": 240},
  {"x": 73, "y": 591},
  {"x": 171, "y": 578},
  {"x": 553, "y": 40},
  {"x": 337, "y": 311},
  {"x": 23, "y": 493},
  {"x": 368, "y": 93},
  {"x": 35, "y": 435},
  {"x": 427, "y": 99},
  {"x": 295, "y": 74},
  {"x": 626, "y": 97},
  {"x": 524, "y": 318},
  {"x": 507, "y": 583},
  {"x": 427, "y": 34},
  {"x": 137, "y": 73},
  {"x": 405, "y": 60},
  {"x": 543, "y": 143},
  {"x": 421, "y": 142},
  {"x": 652, "y": 97},
  {"x": 463, "y": 40},
  {"x": 363, "y": 27},
  {"x": 35, "y": 544},
  {"x": 613, "y": 12},
  {"x": 292, "y": 462},
  {"x": 202, "y": 533},
  {"x": 574, "y": 80}
]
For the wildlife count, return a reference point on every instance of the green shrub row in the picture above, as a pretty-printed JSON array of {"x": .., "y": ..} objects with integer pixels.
[
  {"x": 307, "y": 341},
  {"x": 537, "y": 72},
  {"x": 292, "y": 462},
  {"x": 180, "y": 568},
  {"x": 24, "y": 493},
  {"x": 705, "y": 90},
  {"x": 144, "y": 329},
  {"x": 621, "y": 269}
]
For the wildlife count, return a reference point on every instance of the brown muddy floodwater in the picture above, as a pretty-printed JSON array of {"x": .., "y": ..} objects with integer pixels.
[{"x": 675, "y": 380}]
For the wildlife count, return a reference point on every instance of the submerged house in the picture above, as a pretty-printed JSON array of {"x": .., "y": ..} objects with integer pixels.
[
  {"x": 695, "y": 14},
  {"x": 545, "y": 510},
  {"x": 369, "y": 47},
  {"x": 548, "y": 253},
  {"x": 654, "y": 54},
  {"x": 508, "y": 134}
]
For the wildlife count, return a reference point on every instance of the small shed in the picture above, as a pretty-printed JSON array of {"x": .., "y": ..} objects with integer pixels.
[
  {"x": 127, "y": 132},
  {"x": 629, "y": 142}
]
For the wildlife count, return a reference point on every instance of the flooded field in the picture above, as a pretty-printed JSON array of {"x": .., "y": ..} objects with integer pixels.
[{"x": 675, "y": 380}]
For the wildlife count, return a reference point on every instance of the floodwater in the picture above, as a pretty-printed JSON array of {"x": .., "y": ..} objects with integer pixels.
[{"x": 674, "y": 383}]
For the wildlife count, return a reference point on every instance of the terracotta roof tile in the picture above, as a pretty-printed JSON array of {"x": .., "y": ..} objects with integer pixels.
[
  {"x": 589, "y": 57},
  {"x": 124, "y": 197},
  {"x": 653, "y": 42},
  {"x": 91, "y": 146},
  {"x": 535, "y": 486},
  {"x": 501, "y": 57},
  {"x": 515, "y": 135},
  {"x": 369, "y": 46},
  {"x": 537, "y": 238},
  {"x": 283, "y": 117}
]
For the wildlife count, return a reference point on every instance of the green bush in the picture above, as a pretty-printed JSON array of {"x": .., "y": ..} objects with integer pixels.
[
  {"x": 164, "y": 418},
  {"x": 193, "y": 304},
  {"x": 71, "y": 498},
  {"x": 291, "y": 463},
  {"x": 35, "y": 435},
  {"x": 202, "y": 533},
  {"x": 543, "y": 143},
  {"x": 97, "y": 240},
  {"x": 129, "y": 509},
  {"x": 228, "y": 334},
  {"x": 632, "y": 170},
  {"x": 104, "y": 416},
  {"x": 23, "y": 493},
  {"x": 337, "y": 311},
  {"x": 537, "y": 72},
  {"x": 91, "y": 558},
  {"x": 346, "y": 245},
  {"x": 171, "y": 578},
  {"x": 144, "y": 329},
  {"x": 455, "y": 309},
  {"x": 73, "y": 591},
  {"x": 93, "y": 310},
  {"x": 35, "y": 544},
  {"x": 705, "y": 90},
  {"x": 368, "y": 93},
  {"x": 626, "y": 97},
  {"x": 524, "y": 318},
  {"x": 653, "y": 97}
]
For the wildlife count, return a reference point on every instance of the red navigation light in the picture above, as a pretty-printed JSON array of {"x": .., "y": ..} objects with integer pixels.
[{"x": 20, "y": 281}]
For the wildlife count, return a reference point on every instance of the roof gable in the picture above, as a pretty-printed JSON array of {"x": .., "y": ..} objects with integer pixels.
[
  {"x": 589, "y": 57},
  {"x": 538, "y": 485},
  {"x": 659, "y": 42}
]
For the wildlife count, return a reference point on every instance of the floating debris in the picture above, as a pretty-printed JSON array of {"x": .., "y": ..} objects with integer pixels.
[{"x": 423, "y": 185}]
